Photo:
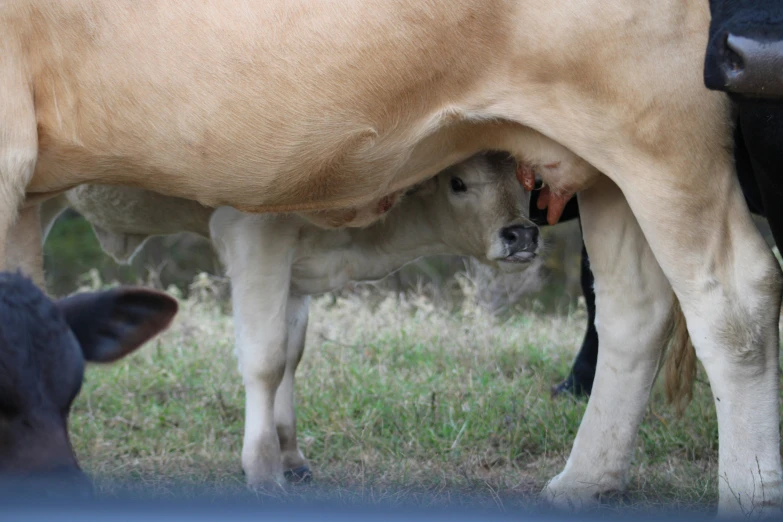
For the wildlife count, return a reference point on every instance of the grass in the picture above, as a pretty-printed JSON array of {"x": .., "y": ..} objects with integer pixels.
[{"x": 396, "y": 398}]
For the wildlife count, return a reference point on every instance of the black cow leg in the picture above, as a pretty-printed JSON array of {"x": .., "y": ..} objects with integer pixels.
[{"x": 580, "y": 381}]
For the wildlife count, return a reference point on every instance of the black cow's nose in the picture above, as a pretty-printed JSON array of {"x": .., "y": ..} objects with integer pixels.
[
  {"x": 520, "y": 238},
  {"x": 743, "y": 65}
]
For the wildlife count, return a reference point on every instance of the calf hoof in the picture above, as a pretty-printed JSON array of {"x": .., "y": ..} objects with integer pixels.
[
  {"x": 264, "y": 482},
  {"x": 298, "y": 476}
]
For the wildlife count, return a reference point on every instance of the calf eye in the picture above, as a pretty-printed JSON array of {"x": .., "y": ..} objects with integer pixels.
[{"x": 457, "y": 185}]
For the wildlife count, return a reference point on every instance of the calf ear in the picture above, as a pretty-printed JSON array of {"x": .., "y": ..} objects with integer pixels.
[{"x": 111, "y": 324}]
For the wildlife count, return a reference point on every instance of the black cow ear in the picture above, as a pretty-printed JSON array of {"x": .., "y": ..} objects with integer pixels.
[{"x": 113, "y": 323}]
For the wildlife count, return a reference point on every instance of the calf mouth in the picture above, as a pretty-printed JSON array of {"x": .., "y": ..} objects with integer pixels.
[{"x": 519, "y": 258}]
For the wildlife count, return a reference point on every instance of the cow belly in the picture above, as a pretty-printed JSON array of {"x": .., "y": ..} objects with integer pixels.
[
  {"x": 317, "y": 178},
  {"x": 230, "y": 107}
]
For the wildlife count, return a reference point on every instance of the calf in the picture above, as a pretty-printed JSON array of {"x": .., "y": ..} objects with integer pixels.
[
  {"x": 475, "y": 208},
  {"x": 43, "y": 348}
]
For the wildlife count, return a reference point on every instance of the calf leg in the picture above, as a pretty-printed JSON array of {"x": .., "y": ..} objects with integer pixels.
[
  {"x": 634, "y": 303},
  {"x": 257, "y": 252},
  {"x": 294, "y": 463}
]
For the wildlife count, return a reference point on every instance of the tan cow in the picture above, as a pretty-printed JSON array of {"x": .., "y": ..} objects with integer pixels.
[
  {"x": 476, "y": 208},
  {"x": 287, "y": 105}
]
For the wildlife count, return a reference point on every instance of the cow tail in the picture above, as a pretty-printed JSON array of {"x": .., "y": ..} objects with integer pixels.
[{"x": 680, "y": 362}]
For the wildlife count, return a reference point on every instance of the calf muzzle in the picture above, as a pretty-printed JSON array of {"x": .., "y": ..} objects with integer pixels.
[{"x": 520, "y": 238}]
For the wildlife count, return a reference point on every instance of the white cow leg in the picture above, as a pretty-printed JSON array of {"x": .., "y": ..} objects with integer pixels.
[
  {"x": 633, "y": 301},
  {"x": 258, "y": 256},
  {"x": 729, "y": 286},
  {"x": 294, "y": 463}
]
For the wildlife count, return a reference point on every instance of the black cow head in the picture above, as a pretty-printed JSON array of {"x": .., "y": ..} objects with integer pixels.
[
  {"x": 745, "y": 49},
  {"x": 43, "y": 348}
]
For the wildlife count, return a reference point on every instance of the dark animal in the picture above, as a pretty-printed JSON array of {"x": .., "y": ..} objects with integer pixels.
[
  {"x": 744, "y": 58},
  {"x": 43, "y": 348}
]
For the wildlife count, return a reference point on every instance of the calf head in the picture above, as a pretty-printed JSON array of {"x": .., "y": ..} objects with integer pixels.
[
  {"x": 745, "y": 49},
  {"x": 480, "y": 209},
  {"x": 43, "y": 348}
]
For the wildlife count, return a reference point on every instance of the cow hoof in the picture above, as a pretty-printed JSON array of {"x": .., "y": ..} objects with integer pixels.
[
  {"x": 568, "y": 501},
  {"x": 562, "y": 495},
  {"x": 298, "y": 476}
]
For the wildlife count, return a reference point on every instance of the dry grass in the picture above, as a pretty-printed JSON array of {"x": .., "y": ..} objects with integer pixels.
[{"x": 397, "y": 398}]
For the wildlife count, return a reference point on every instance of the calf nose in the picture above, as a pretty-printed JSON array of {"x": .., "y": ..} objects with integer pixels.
[
  {"x": 747, "y": 66},
  {"x": 520, "y": 238}
]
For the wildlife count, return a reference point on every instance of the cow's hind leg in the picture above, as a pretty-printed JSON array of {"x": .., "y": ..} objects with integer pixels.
[
  {"x": 257, "y": 252},
  {"x": 729, "y": 286},
  {"x": 18, "y": 141},
  {"x": 295, "y": 465},
  {"x": 634, "y": 302}
]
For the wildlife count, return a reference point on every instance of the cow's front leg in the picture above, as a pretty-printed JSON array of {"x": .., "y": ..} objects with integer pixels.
[
  {"x": 634, "y": 302},
  {"x": 257, "y": 251}
]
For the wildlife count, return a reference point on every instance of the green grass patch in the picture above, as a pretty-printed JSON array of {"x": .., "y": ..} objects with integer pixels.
[{"x": 398, "y": 397}]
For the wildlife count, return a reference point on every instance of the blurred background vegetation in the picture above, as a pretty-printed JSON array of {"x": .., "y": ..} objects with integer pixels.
[{"x": 551, "y": 284}]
